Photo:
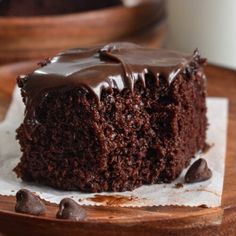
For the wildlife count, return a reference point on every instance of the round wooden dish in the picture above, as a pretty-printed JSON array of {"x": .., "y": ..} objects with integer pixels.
[
  {"x": 113, "y": 220},
  {"x": 38, "y": 37}
]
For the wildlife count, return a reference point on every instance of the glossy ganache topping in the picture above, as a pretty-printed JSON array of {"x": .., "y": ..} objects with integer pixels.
[{"x": 113, "y": 66}]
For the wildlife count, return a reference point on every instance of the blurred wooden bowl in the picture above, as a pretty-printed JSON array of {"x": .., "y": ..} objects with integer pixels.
[{"x": 23, "y": 38}]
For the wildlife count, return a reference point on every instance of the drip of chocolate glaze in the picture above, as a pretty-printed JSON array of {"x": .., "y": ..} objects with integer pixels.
[{"x": 113, "y": 66}]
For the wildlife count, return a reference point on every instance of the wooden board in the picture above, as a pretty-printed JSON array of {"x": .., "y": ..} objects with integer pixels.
[
  {"x": 112, "y": 220},
  {"x": 23, "y": 38}
]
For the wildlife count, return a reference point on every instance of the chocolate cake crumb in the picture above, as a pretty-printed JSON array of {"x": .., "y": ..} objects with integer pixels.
[
  {"x": 29, "y": 203},
  {"x": 203, "y": 206},
  {"x": 44, "y": 62},
  {"x": 207, "y": 147},
  {"x": 198, "y": 172},
  {"x": 70, "y": 210},
  {"x": 21, "y": 80},
  {"x": 179, "y": 185}
]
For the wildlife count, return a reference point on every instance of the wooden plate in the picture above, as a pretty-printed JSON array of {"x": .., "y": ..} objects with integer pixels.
[
  {"x": 112, "y": 220},
  {"x": 24, "y": 38}
]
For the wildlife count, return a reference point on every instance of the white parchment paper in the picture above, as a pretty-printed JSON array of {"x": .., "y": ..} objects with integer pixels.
[{"x": 208, "y": 192}]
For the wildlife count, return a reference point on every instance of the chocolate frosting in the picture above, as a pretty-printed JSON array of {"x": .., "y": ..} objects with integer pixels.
[{"x": 113, "y": 66}]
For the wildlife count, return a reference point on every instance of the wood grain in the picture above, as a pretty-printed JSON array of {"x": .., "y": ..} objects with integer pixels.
[
  {"x": 134, "y": 221},
  {"x": 24, "y": 38}
]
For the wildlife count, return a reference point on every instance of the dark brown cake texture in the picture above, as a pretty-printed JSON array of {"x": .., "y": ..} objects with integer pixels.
[
  {"x": 51, "y": 7},
  {"x": 112, "y": 118}
]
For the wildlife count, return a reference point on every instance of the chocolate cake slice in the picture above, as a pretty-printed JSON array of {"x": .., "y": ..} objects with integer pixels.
[{"x": 112, "y": 117}]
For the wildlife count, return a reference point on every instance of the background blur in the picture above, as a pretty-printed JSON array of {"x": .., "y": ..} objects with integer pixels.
[
  {"x": 209, "y": 25},
  {"x": 36, "y": 31}
]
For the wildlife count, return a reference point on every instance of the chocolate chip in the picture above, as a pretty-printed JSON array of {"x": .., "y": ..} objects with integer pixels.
[
  {"x": 29, "y": 203},
  {"x": 70, "y": 210},
  {"x": 198, "y": 172}
]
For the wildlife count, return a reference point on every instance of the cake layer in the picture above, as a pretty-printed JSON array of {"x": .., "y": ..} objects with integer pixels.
[{"x": 112, "y": 118}]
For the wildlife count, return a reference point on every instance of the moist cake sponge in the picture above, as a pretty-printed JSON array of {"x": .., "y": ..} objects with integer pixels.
[{"x": 112, "y": 118}]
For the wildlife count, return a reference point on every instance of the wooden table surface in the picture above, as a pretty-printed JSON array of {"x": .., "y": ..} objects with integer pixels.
[{"x": 135, "y": 221}]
